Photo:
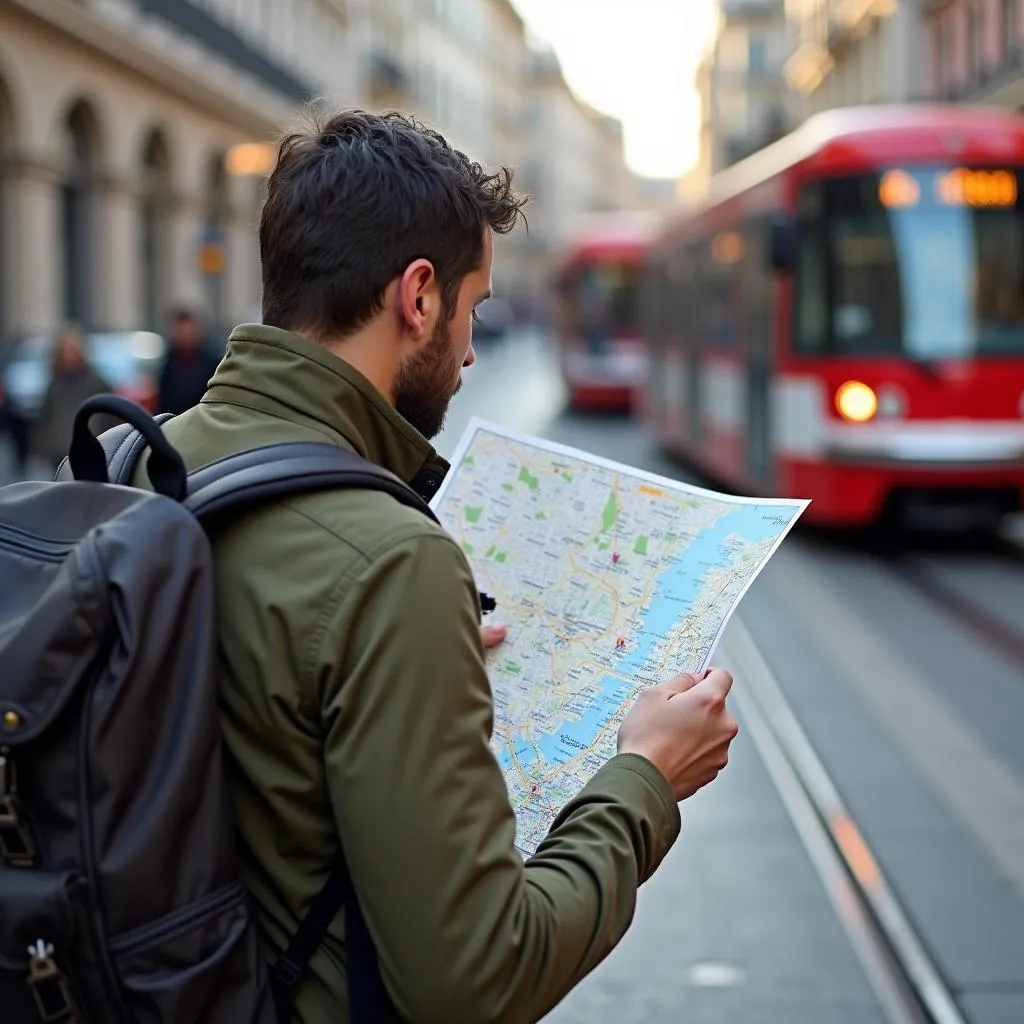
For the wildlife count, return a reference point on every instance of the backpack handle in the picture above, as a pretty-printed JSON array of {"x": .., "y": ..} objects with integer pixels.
[{"x": 88, "y": 461}]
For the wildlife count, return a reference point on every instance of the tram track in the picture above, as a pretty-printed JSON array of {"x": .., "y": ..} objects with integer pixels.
[
  {"x": 905, "y": 980},
  {"x": 992, "y": 631}
]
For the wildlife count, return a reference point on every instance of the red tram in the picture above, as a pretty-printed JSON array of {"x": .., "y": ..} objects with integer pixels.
[
  {"x": 843, "y": 319},
  {"x": 598, "y": 328}
]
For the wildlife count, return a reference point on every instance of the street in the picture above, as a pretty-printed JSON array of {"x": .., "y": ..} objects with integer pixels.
[{"x": 903, "y": 669}]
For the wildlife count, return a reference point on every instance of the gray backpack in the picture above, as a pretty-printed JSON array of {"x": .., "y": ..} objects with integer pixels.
[{"x": 120, "y": 896}]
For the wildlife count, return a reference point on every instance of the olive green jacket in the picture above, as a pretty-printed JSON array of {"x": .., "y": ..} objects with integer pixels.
[{"x": 356, "y": 705}]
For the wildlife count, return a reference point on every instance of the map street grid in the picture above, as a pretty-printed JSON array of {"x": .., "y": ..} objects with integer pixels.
[{"x": 609, "y": 578}]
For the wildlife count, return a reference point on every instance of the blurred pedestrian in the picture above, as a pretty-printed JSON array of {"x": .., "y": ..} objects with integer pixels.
[
  {"x": 73, "y": 379},
  {"x": 15, "y": 426},
  {"x": 189, "y": 365}
]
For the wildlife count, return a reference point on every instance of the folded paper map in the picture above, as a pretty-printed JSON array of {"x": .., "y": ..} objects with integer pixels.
[{"x": 609, "y": 578}]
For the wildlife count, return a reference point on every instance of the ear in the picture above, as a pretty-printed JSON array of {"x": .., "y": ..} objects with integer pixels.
[{"x": 419, "y": 300}]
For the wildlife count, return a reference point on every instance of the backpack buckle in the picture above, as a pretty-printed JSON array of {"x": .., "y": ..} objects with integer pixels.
[
  {"x": 17, "y": 849},
  {"x": 50, "y": 990}
]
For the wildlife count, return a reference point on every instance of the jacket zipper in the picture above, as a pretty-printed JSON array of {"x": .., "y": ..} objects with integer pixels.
[
  {"x": 18, "y": 540},
  {"x": 178, "y": 920}
]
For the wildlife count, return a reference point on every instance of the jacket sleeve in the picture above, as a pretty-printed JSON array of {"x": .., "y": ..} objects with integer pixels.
[{"x": 465, "y": 930}]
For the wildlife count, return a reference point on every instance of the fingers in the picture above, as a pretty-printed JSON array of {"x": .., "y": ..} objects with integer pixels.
[
  {"x": 717, "y": 682},
  {"x": 680, "y": 684},
  {"x": 493, "y": 634}
]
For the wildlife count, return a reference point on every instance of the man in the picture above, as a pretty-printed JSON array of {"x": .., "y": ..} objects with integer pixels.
[
  {"x": 189, "y": 366},
  {"x": 356, "y": 705}
]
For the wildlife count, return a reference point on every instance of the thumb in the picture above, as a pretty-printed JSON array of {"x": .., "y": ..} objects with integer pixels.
[{"x": 493, "y": 634}]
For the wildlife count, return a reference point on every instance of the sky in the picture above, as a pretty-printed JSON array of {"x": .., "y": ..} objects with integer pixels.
[{"x": 635, "y": 60}]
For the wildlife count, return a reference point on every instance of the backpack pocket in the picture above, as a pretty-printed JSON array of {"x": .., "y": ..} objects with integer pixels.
[
  {"x": 186, "y": 965},
  {"x": 44, "y": 933}
]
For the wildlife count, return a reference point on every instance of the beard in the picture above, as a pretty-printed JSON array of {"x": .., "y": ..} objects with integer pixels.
[{"x": 424, "y": 388}]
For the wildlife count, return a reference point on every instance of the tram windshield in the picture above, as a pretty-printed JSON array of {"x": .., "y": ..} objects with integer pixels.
[
  {"x": 923, "y": 263},
  {"x": 602, "y": 303}
]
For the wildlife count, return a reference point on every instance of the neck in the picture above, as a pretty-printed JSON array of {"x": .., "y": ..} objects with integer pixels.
[{"x": 372, "y": 354}]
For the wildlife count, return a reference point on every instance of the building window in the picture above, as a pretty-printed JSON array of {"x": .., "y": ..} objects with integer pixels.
[
  {"x": 154, "y": 229},
  {"x": 941, "y": 57},
  {"x": 971, "y": 42},
  {"x": 757, "y": 57},
  {"x": 79, "y": 187}
]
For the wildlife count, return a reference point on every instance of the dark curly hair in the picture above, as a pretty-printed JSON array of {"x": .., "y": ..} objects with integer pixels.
[{"x": 353, "y": 200}]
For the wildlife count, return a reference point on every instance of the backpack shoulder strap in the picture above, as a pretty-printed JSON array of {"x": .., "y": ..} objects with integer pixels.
[
  {"x": 367, "y": 996},
  {"x": 259, "y": 475}
]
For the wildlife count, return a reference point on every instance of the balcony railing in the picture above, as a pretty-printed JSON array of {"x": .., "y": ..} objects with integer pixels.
[
  {"x": 986, "y": 78},
  {"x": 743, "y": 9},
  {"x": 190, "y": 19}
]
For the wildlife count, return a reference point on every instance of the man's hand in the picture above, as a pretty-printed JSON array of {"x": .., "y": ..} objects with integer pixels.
[
  {"x": 683, "y": 728},
  {"x": 493, "y": 635}
]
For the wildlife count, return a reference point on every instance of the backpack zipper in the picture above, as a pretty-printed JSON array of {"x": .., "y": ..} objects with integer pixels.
[
  {"x": 42, "y": 966},
  {"x": 87, "y": 838},
  {"x": 178, "y": 920},
  {"x": 19, "y": 540}
]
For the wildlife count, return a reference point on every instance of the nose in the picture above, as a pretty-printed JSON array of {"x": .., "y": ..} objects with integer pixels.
[{"x": 470, "y": 356}]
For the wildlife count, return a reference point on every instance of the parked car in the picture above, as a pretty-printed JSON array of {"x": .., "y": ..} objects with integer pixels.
[{"x": 129, "y": 361}]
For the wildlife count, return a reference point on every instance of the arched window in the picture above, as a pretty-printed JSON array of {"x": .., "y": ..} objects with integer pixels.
[
  {"x": 215, "y": 241},
  {"x": 154, "y": 229},
  {"x": 80, "y": 158}
]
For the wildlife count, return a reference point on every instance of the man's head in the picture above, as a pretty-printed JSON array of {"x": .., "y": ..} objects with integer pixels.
[
  {"x": 376, "y": 241},
  {"x": 186, "y": 333},
  {"x": 69, "y": 354}
]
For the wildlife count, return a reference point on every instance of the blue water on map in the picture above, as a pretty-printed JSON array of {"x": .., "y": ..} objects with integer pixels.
[{"x": 682, "y": 580}]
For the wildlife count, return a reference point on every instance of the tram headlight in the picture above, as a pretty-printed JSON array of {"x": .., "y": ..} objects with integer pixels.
[{"x": 856, "y": 402}]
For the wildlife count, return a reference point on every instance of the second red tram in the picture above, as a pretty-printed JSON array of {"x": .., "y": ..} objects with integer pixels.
[
  {"x": 843, "y": 319},
  {"x": 598, "y": 326}
]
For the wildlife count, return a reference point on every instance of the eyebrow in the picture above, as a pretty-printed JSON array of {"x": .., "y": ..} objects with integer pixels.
[{"x": 483, "y": 298}]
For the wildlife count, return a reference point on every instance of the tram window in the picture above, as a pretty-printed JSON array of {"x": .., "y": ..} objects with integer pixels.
[
  {"x": 678, "y": 297},
  {"x": 812, "y": 332},
  {"x": 609, "y": 295},
  {"x": 756, "y": 286},
  {"x": 658, "y": 296},
  {"x": 719, "y": 316},
  {"x": 566, "y": 304},
  {"x": 867, "y": 300},
  {"x": 926, "y": 262}
]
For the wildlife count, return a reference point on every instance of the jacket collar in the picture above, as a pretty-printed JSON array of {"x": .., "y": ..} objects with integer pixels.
[{"x": 286, "y": 375}]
